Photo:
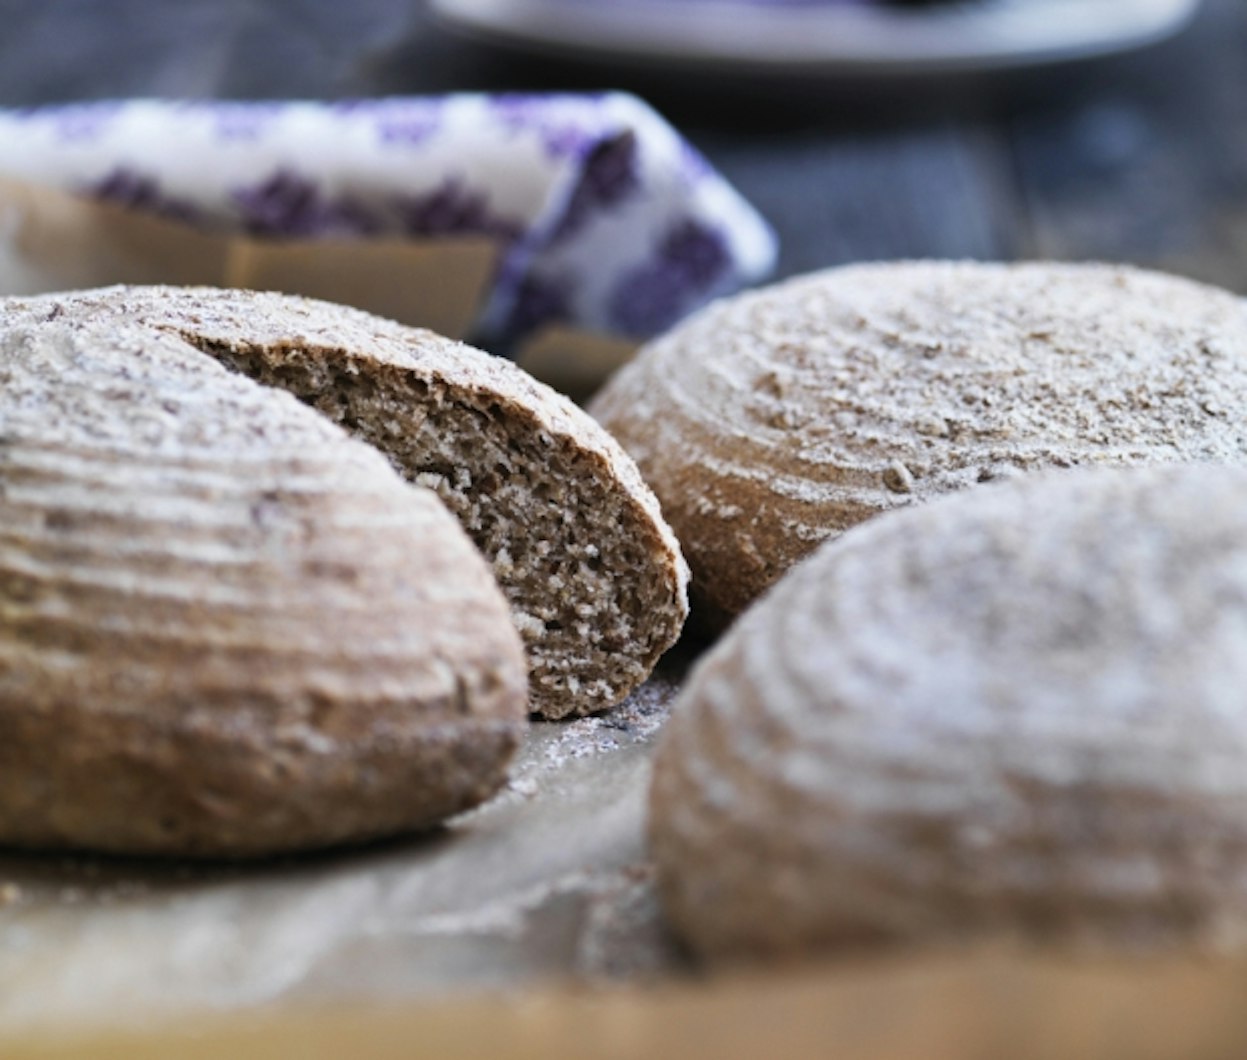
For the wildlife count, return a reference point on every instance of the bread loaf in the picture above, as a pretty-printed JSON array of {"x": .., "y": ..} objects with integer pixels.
[
  {"x": 227, "y": 628},
  {"x": 1013, "y": 712},
  {"x": 595, "y": 579},
  {"x": 774, "y": 420}
]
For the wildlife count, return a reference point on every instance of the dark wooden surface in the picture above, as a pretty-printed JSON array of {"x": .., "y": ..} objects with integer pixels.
[{"x": 1138, "y": 159}]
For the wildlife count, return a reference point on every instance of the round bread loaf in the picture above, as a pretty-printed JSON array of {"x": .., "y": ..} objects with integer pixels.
[
  {"x": 1019, "y": 710},
  {"x": 772, "y": 421},
  {"x": 227, "y": 628},
  {"x": 594, "y": 576}
]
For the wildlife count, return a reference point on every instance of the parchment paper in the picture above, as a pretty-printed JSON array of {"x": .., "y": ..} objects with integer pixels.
[{"x": 548, "y": 881}]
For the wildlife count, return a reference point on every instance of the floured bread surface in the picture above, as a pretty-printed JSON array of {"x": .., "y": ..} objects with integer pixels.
[
  {"x": 228, "y": 629},
  {"x": 594, "y": 576},
  {"x": 1018, "y": 711},
  {"x": 774, "y": 420}
]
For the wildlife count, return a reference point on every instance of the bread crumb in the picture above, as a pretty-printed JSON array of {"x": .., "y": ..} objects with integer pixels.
[{"x": 896, "y": 477}]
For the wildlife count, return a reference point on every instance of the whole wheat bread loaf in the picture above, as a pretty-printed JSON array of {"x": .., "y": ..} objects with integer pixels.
[
  {"x": 1014, "y": 712},
  {"x": 226, "y": 628},
  {"x": 774, "y": 420},
  {"x": 595, "y": 578}
]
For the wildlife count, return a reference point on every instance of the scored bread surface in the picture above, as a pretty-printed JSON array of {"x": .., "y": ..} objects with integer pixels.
[
  {"x": 1017, "y": 711},
  {"x": 776, "y": 419},
  {"x": 228, "y": 629},
  {"x": 594, "y": 576}
]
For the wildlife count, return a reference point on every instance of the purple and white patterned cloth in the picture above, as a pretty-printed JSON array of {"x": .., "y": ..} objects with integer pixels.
[{"x": 606, "y": 218}]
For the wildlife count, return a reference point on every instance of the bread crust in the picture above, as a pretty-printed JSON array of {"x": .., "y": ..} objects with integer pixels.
[
  {"x": 774, "y": 420},
  {"x": 1015, "y": 712},
  {"x": 228, "y": 629}
]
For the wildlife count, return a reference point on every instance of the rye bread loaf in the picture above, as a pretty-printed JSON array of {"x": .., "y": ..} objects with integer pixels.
[
  {"x": 774, "y": 420},
  {"x": 1017, "y": 711},
  {"x": 226, "y": 628},
  {"x": 594, "y": 576}
]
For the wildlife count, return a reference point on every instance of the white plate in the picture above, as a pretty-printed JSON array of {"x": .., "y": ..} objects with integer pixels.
[{"x": 830, "y": 37}]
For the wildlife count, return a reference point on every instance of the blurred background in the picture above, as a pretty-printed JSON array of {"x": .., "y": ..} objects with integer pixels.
[{"x": 1138, "y": 156}]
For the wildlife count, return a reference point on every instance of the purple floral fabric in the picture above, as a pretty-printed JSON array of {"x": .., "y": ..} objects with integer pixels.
[
  {"x": 687, "y": 259},
  {"x": 605, "y": 218}
]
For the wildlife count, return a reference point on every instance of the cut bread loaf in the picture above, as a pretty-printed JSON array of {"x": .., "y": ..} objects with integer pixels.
[
  {"x": 774, "y": 420},
  {"x": 594, "y": 576},
  {"x": 227, "y": 628},
  {"x": 1017, "y": 711}
]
